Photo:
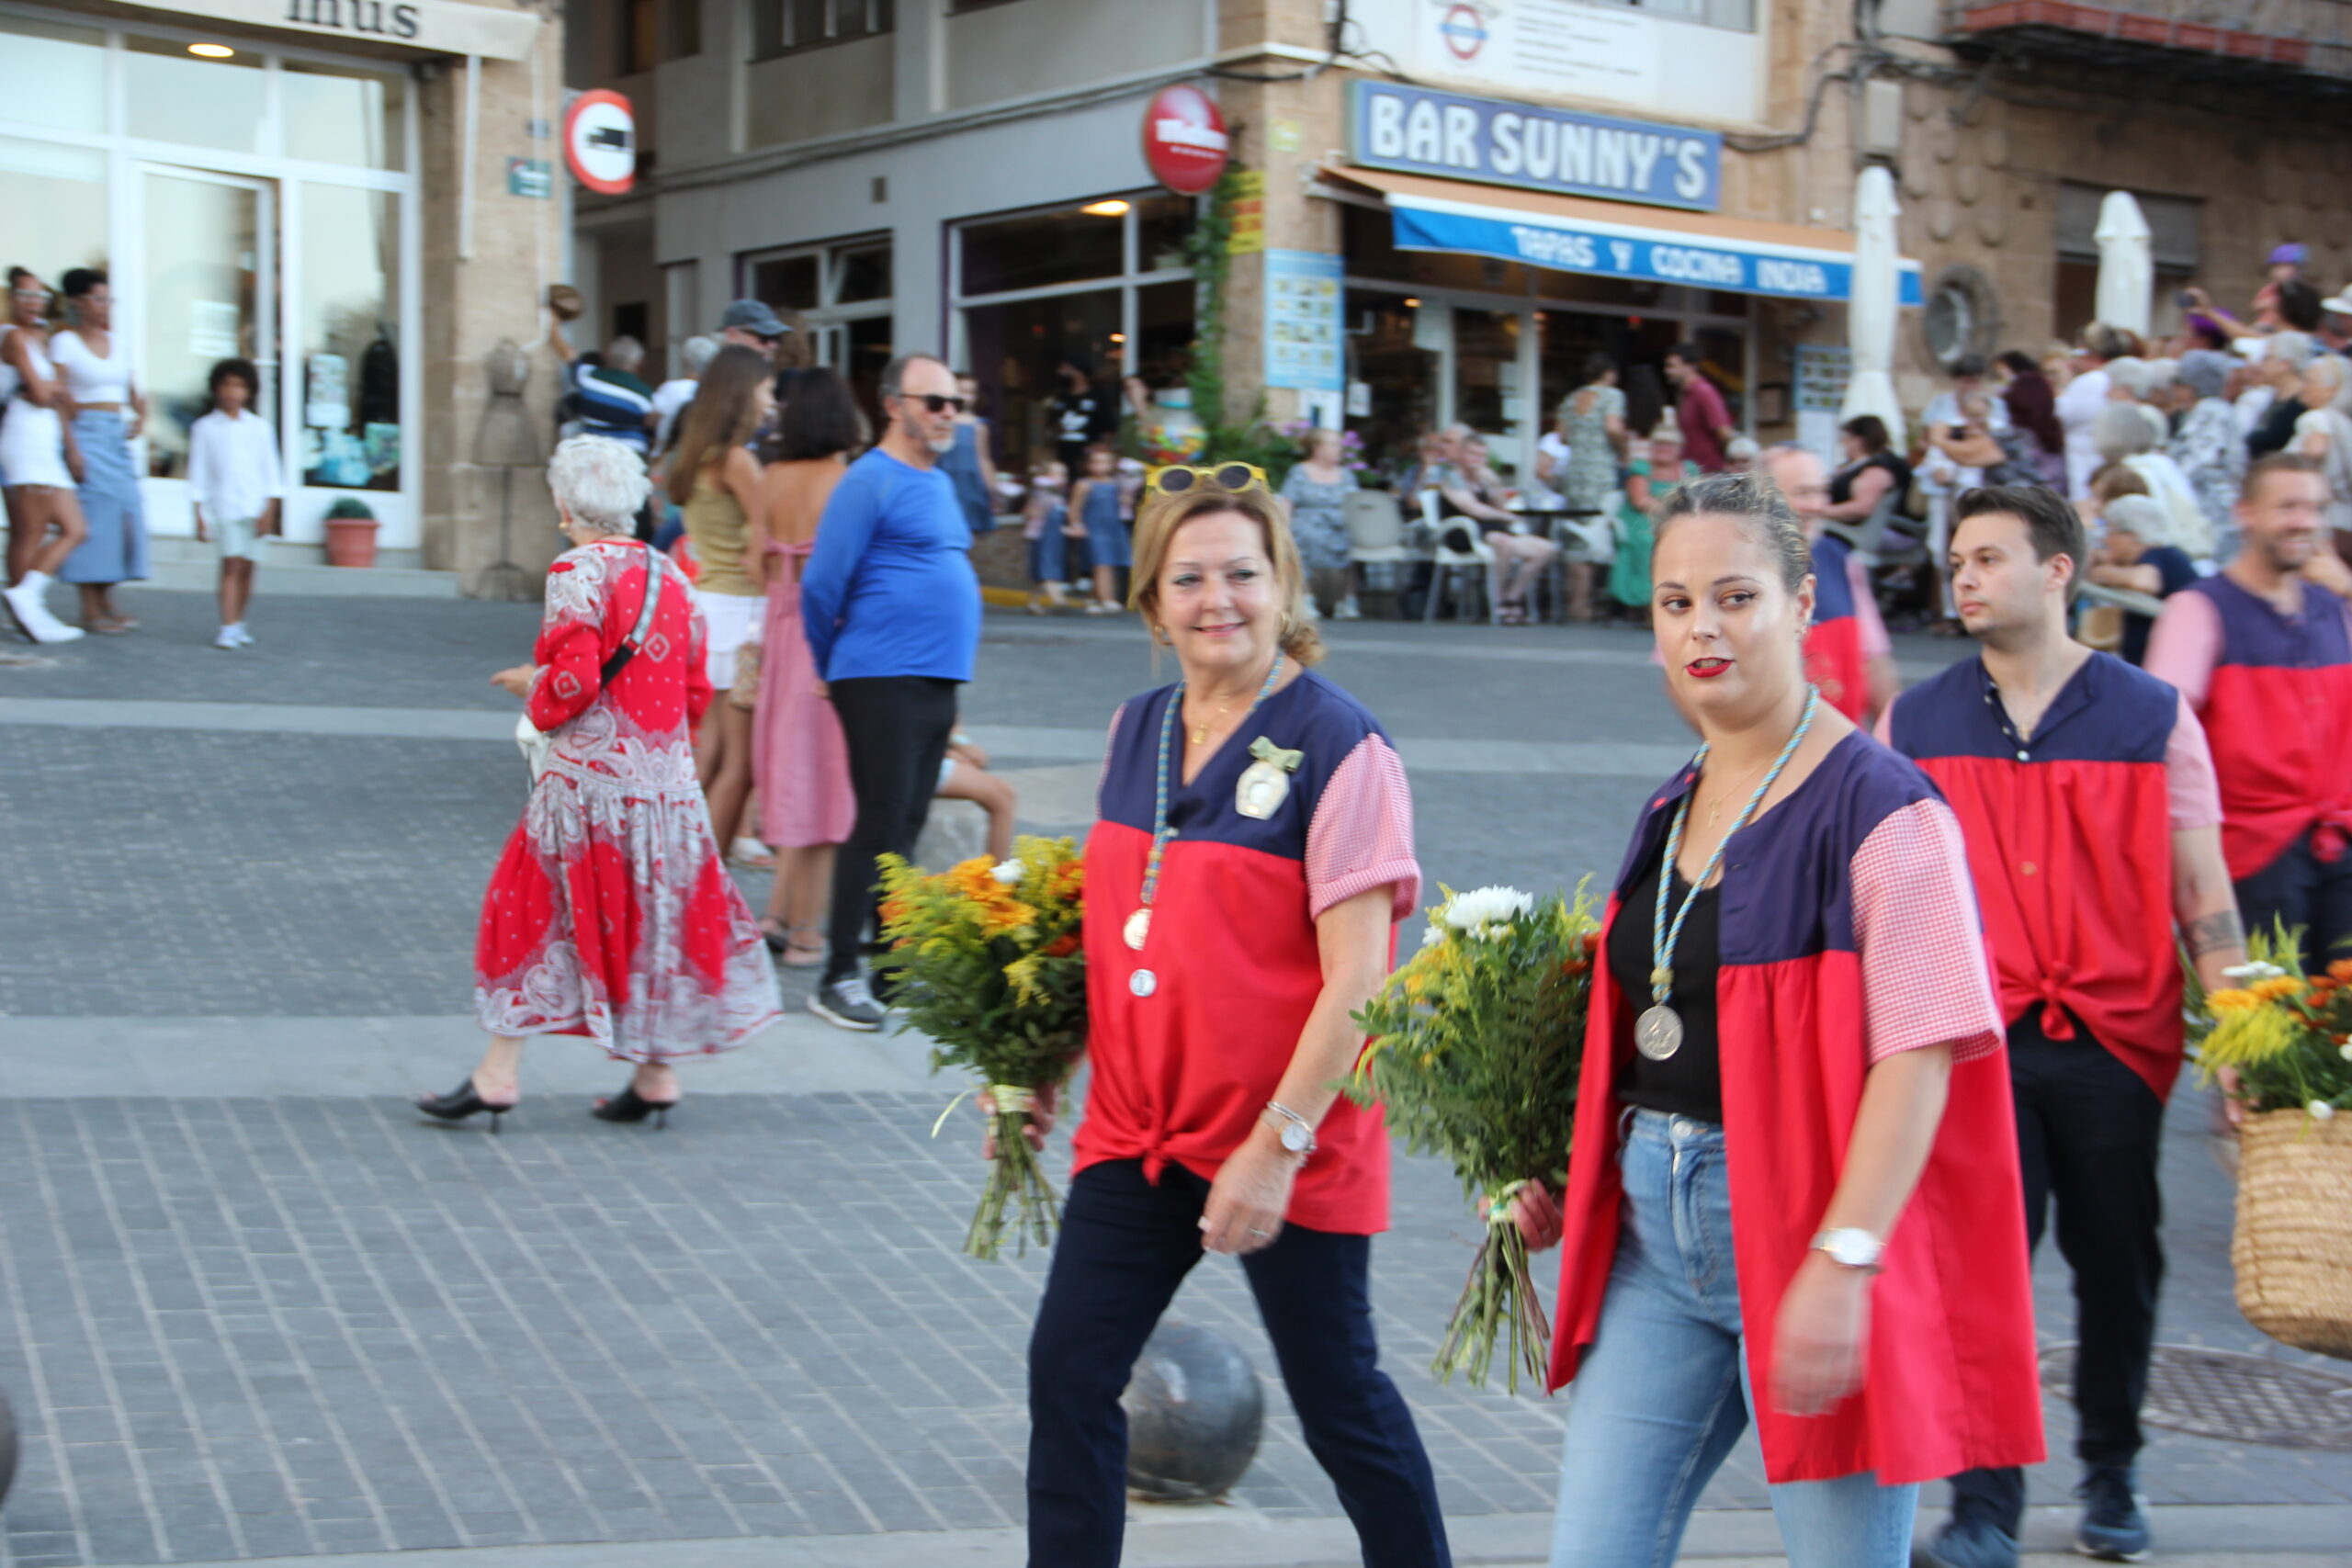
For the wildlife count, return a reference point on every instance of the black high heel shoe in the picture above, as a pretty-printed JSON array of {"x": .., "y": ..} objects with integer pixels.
[
  {"x": 461, "y": 1102},
  {"x": 630, "y": 1106}
]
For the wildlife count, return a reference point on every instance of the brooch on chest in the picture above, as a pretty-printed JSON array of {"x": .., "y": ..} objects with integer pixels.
[{"x": 1265, "y": 783}]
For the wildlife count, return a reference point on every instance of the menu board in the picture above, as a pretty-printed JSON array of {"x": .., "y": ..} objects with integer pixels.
[{"x": 1304, "y": 321}]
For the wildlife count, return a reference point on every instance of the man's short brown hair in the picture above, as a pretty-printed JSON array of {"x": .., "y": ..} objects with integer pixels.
[
  {"x": 2050, "y": 521},
  {"x": 2264, "y": 467}
]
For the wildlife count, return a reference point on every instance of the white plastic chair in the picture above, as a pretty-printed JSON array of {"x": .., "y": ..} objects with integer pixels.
[{"x": 1445, "y": 561}]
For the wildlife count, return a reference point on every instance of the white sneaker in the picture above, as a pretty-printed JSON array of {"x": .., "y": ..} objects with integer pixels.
[
  {"x": 1345, "y": 610},
  {"x": 244, "y": 637},
  {"x": 227, "y": 638},
  {"x": 32, "y": 617}
]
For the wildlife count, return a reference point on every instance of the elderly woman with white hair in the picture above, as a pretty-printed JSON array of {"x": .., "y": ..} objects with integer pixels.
[
  {"x": 2208, "y": 448},
  {"x": 2323, "y": 434},
  {"x": 2124, "y": 433},
  {"x": 2142, "y": 553},
  {"x": 611, "y": 914}
]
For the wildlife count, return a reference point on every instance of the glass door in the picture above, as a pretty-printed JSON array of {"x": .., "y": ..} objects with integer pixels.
[{"x": 210, "y": 293}]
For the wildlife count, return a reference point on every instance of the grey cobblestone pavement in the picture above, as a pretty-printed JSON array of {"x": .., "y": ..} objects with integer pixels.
[{"x": 310, "y": 1324}]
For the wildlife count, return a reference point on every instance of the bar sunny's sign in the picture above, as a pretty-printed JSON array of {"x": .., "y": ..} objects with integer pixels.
[{"x": 1494, "y": 141}]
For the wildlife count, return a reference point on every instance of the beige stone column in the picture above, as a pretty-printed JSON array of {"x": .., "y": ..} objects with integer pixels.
[
  {"x": 483, "y": 283},
  {"x": 1284, "y": 128}
]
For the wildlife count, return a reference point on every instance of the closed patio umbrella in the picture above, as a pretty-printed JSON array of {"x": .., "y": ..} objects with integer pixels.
[
  {"x": 1869, "y": 309},
  {"x": 2127, "y": 268}
]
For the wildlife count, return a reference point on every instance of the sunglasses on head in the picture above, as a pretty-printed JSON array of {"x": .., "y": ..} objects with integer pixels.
[
  {"x": 939, "y": 402},
  {"x": 1181, "y": 479}
]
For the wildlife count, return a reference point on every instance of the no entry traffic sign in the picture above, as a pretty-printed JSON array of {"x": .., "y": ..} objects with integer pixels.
[{"x": 600, "y": 142}]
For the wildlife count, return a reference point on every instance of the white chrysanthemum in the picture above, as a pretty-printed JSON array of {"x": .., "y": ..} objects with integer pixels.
[
  {"x": 1008, "y": 872},
  {"x": 1484, "y": 907},
  {"x": 1431, "y": 934},
  {"x": 2344, "y": 1051},
  {"x": 2252, "y": 970},
  {"x": 2321, "y": 1109}
]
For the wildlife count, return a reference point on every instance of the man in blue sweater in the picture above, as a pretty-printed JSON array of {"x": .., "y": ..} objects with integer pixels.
[{"x": 892, "y": 609}]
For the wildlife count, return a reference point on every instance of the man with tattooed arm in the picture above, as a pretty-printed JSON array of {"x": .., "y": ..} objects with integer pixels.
[{"x": 2086, "y": 792}]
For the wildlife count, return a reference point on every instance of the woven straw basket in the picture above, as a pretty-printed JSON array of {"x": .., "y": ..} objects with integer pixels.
[{"x": 2292, "y": 1247}]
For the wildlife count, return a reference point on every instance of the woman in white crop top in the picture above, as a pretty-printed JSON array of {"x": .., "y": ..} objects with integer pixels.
[
  {"x": 44, "y": 514},
  {"x": 108, "y": 411}
]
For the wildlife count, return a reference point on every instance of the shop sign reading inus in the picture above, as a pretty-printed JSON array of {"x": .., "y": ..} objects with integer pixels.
[
  {"x": 1494, "y": 141},
  {"x": 1184, "y": 138}
]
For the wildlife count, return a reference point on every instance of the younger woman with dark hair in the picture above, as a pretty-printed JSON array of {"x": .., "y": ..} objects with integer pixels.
[
  {"x": 713, "y": 476},
  {"x": 1870, "y": 471},
  {"x": 2033, "y": 409},
  {"x": 109, "y": 412},
  {"x": 1795, "y": 1004},
  {"x": 798, "y": 758}
]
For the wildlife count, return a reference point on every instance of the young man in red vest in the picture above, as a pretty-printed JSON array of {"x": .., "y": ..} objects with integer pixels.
[
  {"x": 2085, "y": 794},
  {"x": 2264, "y": 653}
]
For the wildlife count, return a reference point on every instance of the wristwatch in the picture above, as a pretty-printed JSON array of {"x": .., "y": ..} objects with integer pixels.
[
  {"x": 1851, "y": 1248},
  {"x": 1297, "y": 1135}
]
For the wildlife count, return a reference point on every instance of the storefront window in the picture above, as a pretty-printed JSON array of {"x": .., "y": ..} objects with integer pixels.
[
  {"x": 788, "y": 283},
  {"x": 1162, "y": 225},
  {"x": 1164, "y": 313},
  {"x": 52, "y": 75},
  {"x": 336, "y": 115},
  {"x": 1400, "y": 375},
  {"x": 204, "y": 238},
  {"x": 1066, "y": 246},
  {"x": 53, "y": 207},
  {"x": 839, "y": 295},
  {"x": 346, "y": 332},
  {"x": 1488, "y": 394},
  {"x": 862, "y": 276},
  {"x": 170, "y": 95},
  {"x": 1017, "y": 351}
]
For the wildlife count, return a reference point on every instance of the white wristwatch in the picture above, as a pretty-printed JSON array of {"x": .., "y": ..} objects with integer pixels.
[
  {"x": 1851, "y": 1248},
  {"x": 1297, "y": 1134}
]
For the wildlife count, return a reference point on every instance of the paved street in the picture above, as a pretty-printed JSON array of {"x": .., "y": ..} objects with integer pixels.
[{"x": 250, "y": 1306}]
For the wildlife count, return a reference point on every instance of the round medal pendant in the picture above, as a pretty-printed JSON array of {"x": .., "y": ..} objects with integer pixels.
[
  {"x": 1143, "y": 982},
  {"x": 1657, "y": 1034},
  {"x": 1138, "y": 927}
]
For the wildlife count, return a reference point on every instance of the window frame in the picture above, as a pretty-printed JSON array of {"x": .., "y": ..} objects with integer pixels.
[{"x": 771, "y": 22}]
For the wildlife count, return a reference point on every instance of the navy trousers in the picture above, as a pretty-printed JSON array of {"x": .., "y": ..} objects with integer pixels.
[
  {"x": 2301, "y": 889},
  {"x": 1125, "y": 1245}
]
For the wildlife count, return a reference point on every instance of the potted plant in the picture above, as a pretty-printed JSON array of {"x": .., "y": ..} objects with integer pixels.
[{"x": 351, "y": 533}]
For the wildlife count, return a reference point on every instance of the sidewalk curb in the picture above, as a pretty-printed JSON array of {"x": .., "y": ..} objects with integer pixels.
[{"x": 2215, "y": 1536}]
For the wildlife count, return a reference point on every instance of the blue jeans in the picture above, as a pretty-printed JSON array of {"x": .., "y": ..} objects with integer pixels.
[{"x": 1664, "y": 1391}]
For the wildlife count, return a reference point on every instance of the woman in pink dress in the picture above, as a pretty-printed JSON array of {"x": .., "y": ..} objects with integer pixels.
[
  {"x": 611, "y": 914},
  {"x": 798, "y": 759}
]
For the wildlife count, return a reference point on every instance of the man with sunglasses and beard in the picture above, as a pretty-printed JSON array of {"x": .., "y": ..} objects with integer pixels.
[{"x": 892, "y": 610}]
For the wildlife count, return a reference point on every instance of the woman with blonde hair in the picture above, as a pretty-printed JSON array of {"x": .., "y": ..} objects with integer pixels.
[
  {"x": 1211, "y": 1122},
  {"x": 714, "y": 476}
]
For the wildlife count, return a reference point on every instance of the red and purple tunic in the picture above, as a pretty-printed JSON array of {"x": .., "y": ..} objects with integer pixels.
[
  {"x": 1184, "y": 1074},
  {"x": 1848, "y": 934},
  {"x": 2069, "y": 838},
  {"x": 1847, "y": 631},
  {"x": 2275, "y": 692}
]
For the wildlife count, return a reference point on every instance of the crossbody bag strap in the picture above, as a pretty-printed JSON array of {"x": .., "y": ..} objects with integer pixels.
[{"x": 636, "y": 639}]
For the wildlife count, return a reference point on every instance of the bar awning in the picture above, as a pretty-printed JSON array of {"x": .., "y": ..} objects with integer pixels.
[{"x": 1611, "y": 239}]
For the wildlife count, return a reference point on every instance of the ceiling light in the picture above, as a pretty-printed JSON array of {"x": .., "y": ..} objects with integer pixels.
[
  {"x": 212, "y": 51},
  {"x": 1118, "y": 337},
  {"x": 1411, "y": 303},
  {"x": 1112, "y": 209}
]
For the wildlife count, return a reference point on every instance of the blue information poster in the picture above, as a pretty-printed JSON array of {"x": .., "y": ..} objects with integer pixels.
[{"x": 1303, "y": 321}]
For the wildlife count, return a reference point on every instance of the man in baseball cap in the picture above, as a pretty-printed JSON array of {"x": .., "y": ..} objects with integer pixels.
[{"x": 752, "y": 324}]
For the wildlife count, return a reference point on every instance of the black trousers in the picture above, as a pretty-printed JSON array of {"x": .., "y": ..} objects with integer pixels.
[
  {"x": 2301, "y": 889},
  {"x": 1125, "y": 1245},
  {"x": 2088, "y": 1129},
  {"x": 897, "y": 729}
]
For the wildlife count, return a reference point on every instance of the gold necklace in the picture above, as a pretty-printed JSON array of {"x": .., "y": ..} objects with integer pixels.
[{"x": 1201, "y": 729}]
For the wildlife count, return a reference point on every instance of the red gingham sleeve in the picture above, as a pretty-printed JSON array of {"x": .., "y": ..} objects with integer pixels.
[
  {"x": 1362, "y": 833},
  {"x": 1927, "y": 979}
]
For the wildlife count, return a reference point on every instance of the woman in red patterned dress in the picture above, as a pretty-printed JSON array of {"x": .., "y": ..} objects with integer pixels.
[{"x": 611, "y": 914}]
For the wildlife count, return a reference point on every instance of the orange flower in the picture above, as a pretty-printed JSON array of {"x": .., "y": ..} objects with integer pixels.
[
  {"x": 1575, "y": 966},
  {"x": 2341, "y": 971},
  {"x": 1063, "y": 945},
  {"x": 2276, "y": 987},
  {"x": 1592, "y": 940}
]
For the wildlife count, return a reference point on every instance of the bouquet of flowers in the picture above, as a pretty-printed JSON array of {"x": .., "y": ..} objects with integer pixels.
[
  {"x": 992, "y": 968},
  {"x": 1477, "y": 1041},
  {"x": 2284, "y": 1036}
]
